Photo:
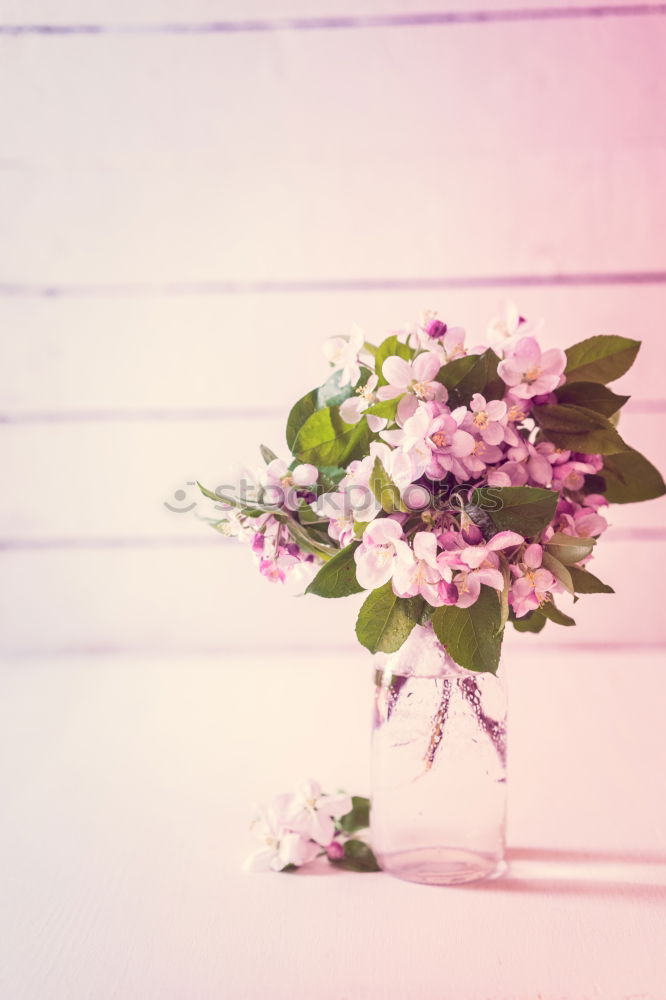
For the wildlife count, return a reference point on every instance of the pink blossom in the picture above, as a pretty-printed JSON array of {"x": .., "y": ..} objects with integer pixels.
[
  {"x": 284, "y": 487},
  {"x": 532, "y": 582},
  {"x": 530, "y": 373},
  {"x": 488, "y": 419},
  {"x": 418, "y": 572},
  {"x": 480, "y": 553},
  {"x": 416, "y": 378},
  {"x": 537, "y": 464},
  {"x": 481, "y": 567},
  {"x": 508, "y": 474},
  {"x": 312, "y": 813},
  {"x": 343, "y": 352},
  {"x": 585, "y": 522},
  {"x": 280, "y": 845},
  {"x": 432, "y": 334},
  {"x": 505, "y": 328},
  {"x": 376, "y": 556},
  {"x": 480, "y": 457}
]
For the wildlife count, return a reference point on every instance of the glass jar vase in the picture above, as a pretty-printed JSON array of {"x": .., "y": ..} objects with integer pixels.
[{"x": 438, "y": 767}]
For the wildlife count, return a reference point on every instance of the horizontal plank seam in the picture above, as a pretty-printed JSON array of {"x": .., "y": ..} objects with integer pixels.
[
  {"x": 209, "y": 539},
  {"x": 247, "y": 650},
  {"x": 159, "y": 289},
  {"x": 337, "y": 22},
  {"x": 638, "y": 406}
]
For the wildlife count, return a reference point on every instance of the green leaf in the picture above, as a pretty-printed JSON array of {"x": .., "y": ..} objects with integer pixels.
[
  {"x": 600, "y": 359},
  {"x": 358, "y": 857},
  {"x": 359, "y": 528},
  {"x": 337, "y": 577},
  {"x": 568, "y": 549},
  {"x": 592, "y": 396},
  {"x": 578, "y": 429},
  {"x": 533, "y": 621},
  {"x": 298, "y": 414},
  {"x": 267, "y": 455},
  {"x": 251, "y": 510},
  {"x": 329, "y": 477},
  {"x": 559, "y": 570},
  {"x": 525, "y": 509},
  {"x": 331, "y": 393},
  {"x": 387, "y": 349},
  {"x": 385, "y": 621},
  {"x": 358, "y": 818},
  {"x": 473, "y": 373},
  {"x": 550, "y": 611},
  {"x": 473, "y": 636},
  {"x": 325, "y": 439},
  {"x": 306, "y": 515},
  {"x": 386, "y": 492},
  {"x": 630, "y": 478},
  {"x": 386, "y": 408},
  {"x": 454, "y": 372},
  {"x": 585, "y": 582},
  {"x": 306, "y": 541}
]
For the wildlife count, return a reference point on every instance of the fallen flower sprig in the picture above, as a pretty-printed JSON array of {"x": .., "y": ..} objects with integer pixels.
[{"x": 294, "y": 829}]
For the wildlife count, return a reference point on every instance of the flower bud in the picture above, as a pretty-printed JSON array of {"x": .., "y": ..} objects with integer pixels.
[{"x": 335, "y": 851}]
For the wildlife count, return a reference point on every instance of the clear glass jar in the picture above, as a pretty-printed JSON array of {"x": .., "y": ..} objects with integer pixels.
[{"x": 438, "y": 770}]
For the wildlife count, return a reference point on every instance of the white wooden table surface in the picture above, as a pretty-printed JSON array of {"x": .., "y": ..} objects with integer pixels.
[{"x": 127, "y": 788}]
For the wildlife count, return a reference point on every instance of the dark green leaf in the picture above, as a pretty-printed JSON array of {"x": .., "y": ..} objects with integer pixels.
[
  {"x": 559, "y": 570},
  {"x": 358, "y": 857},
  {"x": 533, "y": 621},
  {"x": 473, "y": 373},
  {"x": 555, "y": 615},
  {"x": 386, "y": 492},
  {"x": 594, "y": 484},
  {"x": 585, "y": 582},
  {"x": 591, "y": 395},
  {"x": 630, "y": 478},
  {"x": 473, "y": 636},
  {"x": 525, "y": 509},
  {"x": 299, "y": 413},
  {"x": 578, "y": 429},
  {"x": 358, "y": 818},
  {"x": 569, "y": 549},
  {"x": 387, "y": 349},
  {"x": 385, "y": 621},
  {"x": 325, "y": 439},
  {"x": 454, "y": 372},
  {"x": 337, "y": 577},
  {"x": 600, "y": 359}
]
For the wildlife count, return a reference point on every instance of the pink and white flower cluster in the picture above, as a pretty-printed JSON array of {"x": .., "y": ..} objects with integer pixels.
[
  {"x": 294, "y": 829},
  {"x": 433, "y": 450}
]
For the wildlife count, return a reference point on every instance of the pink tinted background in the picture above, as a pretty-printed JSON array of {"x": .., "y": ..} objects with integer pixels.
[{"x": 185, "y": 215}]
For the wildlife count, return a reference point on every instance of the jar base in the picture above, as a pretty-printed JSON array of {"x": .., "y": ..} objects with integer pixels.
[{"x": 442, "y": 865}]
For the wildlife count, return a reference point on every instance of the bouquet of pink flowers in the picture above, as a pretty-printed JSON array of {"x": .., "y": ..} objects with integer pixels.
[{"x": 463, "y": 488}]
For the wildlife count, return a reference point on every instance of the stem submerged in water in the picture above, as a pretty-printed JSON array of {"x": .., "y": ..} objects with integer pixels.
[
  {"x": 438, "y": 724},
  {"x": 495, "y": 730}
]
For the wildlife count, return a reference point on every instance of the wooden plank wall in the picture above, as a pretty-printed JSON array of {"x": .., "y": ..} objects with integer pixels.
[{"x": 190, "y": 200}]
